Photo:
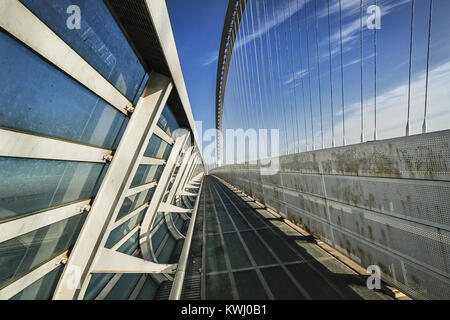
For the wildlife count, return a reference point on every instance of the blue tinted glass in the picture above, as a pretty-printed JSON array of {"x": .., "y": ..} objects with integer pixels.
[
  {"x": 158, "y": 148},
  {"x": 167, "y": 121},
  {"x": 37, "y": 97},
  {"x": 159, "y": 236},
  {"x": 131, "y": 245},
  {"x": 19, "y": 255},
  {"x": 135, "y": 201},
  {"x": 99, "y": 40},
  {"x": 179, "y": 223},
  {"x": 43, "y": 288},
  {"x": 124, "y": 287},
  {"x": 97, "y": 283},
  {"x": 167, "y": 251},
  {"x": 158, "y": 218},
  {"x": 141, "y": 89},
  {"x": 148, "y": 290},
  {"x": 29, "y": 185},
  {"x": 122, "y": 230},
  {"x": 121, "y": 132},
  {"x": 146, "y": 174}
]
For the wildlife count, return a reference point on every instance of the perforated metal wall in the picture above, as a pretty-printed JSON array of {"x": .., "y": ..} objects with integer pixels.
[{"x": 382, "y": 203}]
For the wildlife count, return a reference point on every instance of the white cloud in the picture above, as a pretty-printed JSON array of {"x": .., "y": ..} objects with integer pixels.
[
  {"x": 213, "y": 57},
  {"x": 392, "y": 111}
]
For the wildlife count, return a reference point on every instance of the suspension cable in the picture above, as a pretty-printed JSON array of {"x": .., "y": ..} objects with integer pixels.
[
  {"x": 301, "y": 70},
  {"x": 361, "y": 35},
  {"x": 333, "y": 142},
  {"x": 342, "y": 75},
  {"x": 309, "y": 76},
  {"x": 318, "y": 69},
  {"x": 424, "y": 125},
  {"x": 410, "y": 67}
]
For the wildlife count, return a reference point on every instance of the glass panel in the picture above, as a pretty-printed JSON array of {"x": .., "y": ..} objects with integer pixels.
[
  {"x": 179, "y": 223},
  {"x": 158, "y": 148},
  {"x": 124, "y": 287},
  {"x": 167, "y": 251},
  {"x": 257, "y": 249},
  {"x": 135, "y": 201},
  {"x": 36, "y": 97},
  {"x": 131, "y": 245},
  {"x": 42, "y": 289},
  {"x": 249, "y": 286},
  {"x": 19, "y": 255},
  {"x": 148, "y": 290},
  {"x": 122, "y": 230},
  {"x": 146, "y": 174},
  {"x": 30, "y": 185},
  {"x": 158, "y": 218},
  {"x": 167, "y": 121},
  {"x": 159, "y": 236},
  {"x": 215, "y": 259},
  {"x": 280, "y": 284},
  {"x": 141, "y": 89},
  {"x": 284, "y": 253},
  {"x": 314, "y": 283},
  {"x": 218, "y": 287},
  {"x": 97, "y": 283},
  {"x": 238, "y": 257},
  {"x": 99, "y": 40},
  {"x": 121, "y": 132}
]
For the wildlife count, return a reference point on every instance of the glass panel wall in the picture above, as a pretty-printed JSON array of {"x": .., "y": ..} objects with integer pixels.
[{"x": 99, "y": 40}]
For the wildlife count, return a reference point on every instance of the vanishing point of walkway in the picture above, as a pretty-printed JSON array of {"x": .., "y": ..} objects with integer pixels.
[{"x": 242, "y": 251}]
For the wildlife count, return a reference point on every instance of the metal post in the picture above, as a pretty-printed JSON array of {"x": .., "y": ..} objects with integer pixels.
[
  {"x": 114, "y": 187},
  {"x": 177, "y": 285},
  {"x": 158, "y": 195}
]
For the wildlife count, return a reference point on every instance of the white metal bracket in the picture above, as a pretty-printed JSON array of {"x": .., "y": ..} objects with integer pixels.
[
  {"x": 110, "y": 261},
  {"x": 166, "y": 207}
]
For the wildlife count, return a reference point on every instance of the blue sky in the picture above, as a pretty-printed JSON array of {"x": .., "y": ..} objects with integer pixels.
[{"x": 197, "y": 28}]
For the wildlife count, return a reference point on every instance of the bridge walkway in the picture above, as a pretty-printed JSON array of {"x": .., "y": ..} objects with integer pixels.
[{"x": 242, "y": 251}]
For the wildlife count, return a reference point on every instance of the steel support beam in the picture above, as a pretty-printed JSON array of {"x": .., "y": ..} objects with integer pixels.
[
  {"x": 110, "y": 261},
  {"x": 17, "y": 227},
  {"x": 24, "y": 145},
  {"x": 150, "y": 215},
  {"x": 115, "y": 185},
  {"x": 177, "y": 286}
]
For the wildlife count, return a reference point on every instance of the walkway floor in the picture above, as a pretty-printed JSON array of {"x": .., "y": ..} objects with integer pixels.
[{"x": 242, "y": 251}]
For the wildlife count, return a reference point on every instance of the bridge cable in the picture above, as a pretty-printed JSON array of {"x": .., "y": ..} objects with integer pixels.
[
  {"x": 271, "y": 76},
  {"x": 295, "y": 80},
  {"x": 302, "y": 74},
  {"x": 288, "y": 64},
  {"x": 333, "y": 142},
  {"x": 342, "y": 75},
  {"x": 318, "y": 69},
  {"x": 375, "y": 76},
  {"x": 277, "y": 45},
  {"x": 361, "y": 36},
  {"x": 250, "y": 95},
  {"x": 252, "y": 119},
  {"x": 410, "y": 68},
  {"x": 258, "y": 14},
  {"x": 309, "y": 76},
  {"x": 424, "y": 125},
  {"x": 256, "y": 66},
  {"x": 238, "y": 74}
]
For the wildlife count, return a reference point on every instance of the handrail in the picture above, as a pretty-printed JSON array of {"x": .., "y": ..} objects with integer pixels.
[{"x": 177, "y": 285}]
